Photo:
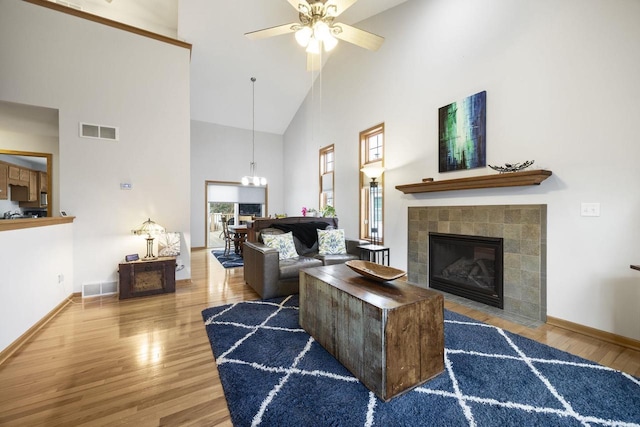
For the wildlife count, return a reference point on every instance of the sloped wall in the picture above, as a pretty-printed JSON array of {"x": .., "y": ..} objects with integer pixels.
[{"x": 562, "y": 89}]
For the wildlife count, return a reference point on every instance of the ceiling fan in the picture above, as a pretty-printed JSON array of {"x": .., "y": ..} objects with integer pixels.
[{"x": 317, "y": 28}]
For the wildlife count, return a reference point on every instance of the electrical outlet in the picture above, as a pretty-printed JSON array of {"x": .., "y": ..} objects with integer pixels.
[
  {"x": 590, "y": 209},
  {"x": 60, "y": 278}
]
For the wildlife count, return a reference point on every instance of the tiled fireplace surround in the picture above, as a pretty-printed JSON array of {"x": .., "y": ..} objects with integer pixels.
[{"x": 524, "y": 230}]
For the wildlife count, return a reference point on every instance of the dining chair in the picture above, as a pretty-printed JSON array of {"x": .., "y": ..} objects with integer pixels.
[{"x": 229, "y": 238}]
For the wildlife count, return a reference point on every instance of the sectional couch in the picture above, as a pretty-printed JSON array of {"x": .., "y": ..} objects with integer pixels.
[{"x": 271, "y": 276}]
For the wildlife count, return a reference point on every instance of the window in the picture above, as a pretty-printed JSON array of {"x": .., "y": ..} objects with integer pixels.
[
  {"x": 327, "y": 166},
  {"x": 372, "y": 190}
]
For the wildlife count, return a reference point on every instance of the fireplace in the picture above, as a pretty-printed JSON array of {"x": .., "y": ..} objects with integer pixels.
[
  {"x": 468, "y": 266},
  {"x": 523, "y": 229}
]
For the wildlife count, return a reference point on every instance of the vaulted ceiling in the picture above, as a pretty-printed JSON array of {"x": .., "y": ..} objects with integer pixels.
[{"x": 223, "y": 60}]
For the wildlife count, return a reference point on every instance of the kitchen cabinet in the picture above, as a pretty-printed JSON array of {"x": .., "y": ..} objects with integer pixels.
[
  {"x": 34, "y": 193},
  {"x": 44, "y": 182},
  {"x": 4, "y": 181},
  {"x": 14, "y": 173},
  {"x": 25, "y": 190},
  {"x": 18, "y": 175},
  {"x": 29, "y": 196}
]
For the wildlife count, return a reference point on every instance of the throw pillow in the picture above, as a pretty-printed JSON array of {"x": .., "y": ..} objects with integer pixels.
[
  {"x": 283, "y": 243},
  {"x": 331, "y": 242}
]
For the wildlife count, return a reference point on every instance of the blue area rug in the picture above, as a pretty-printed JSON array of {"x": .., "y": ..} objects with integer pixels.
[
  {"x": 228, "y": 261},
  {"x": 274, "y": 374}
]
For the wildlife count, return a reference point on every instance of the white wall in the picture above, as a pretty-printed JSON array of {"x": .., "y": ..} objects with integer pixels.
[
  {"x": 93, "y": 73},
  {"x": 562, "y": 89},
  {"x": 222, "y": 153},
  {"x": 37, "y": 275}
]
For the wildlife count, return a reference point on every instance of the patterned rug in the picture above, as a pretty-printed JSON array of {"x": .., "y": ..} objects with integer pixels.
[
  {"x": 228, "y": 261},
  {"x": 274, "y": 374}
]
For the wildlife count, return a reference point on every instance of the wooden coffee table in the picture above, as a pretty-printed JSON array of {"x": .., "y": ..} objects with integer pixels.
[{"x": 390, "y": 335}]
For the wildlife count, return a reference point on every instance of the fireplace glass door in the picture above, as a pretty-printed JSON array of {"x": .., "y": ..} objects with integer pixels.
[{"x": 467, "y": 266}]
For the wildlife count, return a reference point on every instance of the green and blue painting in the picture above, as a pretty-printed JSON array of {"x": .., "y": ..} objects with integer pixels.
[{"x": 462, "y": 133}]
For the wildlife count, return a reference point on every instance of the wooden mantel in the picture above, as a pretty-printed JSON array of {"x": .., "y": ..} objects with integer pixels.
[{"x": 509, "y": 179}]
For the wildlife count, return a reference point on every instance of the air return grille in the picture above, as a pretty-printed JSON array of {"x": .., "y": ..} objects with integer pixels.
[
  {"x": 99, "y": 288},
  {"x": 88, "y": 130}
]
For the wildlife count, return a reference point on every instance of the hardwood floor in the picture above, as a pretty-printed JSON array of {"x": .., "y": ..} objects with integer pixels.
[{"x": 147, "y": 361}]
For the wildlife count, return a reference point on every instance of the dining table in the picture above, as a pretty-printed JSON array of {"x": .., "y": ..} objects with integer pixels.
[{"x": 240, "y": 232}]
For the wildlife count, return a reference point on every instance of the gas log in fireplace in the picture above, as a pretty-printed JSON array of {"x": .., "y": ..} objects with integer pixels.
[{"x": 467, "y": 266}]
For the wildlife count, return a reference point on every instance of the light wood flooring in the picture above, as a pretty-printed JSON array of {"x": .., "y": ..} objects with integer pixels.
[{"x": 147, "y": 361}]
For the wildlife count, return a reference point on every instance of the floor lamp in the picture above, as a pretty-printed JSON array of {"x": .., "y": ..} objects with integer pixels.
[{"x": 373, "y": 173}]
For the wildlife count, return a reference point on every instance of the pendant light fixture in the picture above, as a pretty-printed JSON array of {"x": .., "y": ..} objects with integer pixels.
[{"x": 252, "y": 178}]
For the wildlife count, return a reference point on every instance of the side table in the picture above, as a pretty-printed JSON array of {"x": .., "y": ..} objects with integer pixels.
[
  {"x": 374, "y": 253},
  {"x": 140, "y": 278}
]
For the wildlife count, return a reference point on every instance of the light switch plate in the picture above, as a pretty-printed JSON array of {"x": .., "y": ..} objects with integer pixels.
[{"x": 590, "y": 209}]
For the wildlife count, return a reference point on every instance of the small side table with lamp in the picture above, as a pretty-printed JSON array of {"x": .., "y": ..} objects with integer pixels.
[{"x": 150, "y": 275}]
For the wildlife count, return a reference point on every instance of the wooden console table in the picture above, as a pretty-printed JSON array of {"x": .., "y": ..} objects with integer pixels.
[
  {"x": 140, "y": 278},
  {"x": 389, "y": 335}
]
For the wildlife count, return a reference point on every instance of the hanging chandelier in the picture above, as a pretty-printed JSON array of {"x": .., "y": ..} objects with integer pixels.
[{"x": 252, "y": 178}]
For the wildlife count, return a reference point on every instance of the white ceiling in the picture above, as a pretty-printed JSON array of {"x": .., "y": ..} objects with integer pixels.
[{"x": 223, "y": 60}]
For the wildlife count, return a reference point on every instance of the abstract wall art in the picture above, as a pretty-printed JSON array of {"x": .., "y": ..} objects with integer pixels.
[{"x": 462, "y": 133}]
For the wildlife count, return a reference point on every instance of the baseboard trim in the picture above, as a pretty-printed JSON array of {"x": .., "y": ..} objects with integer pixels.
[
  {"x": 595, "y": 333},
  {"x": 183, "y": 282},
  {"x": 22, "y": 339}
]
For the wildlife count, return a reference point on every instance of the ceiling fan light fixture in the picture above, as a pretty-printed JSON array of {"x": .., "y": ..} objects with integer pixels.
[
  {"x": 304, "y": 9},
  {"x": 314, "y": 46},
  {"x": 303, "y": 35},
  {"x": 329, "y": 43},
  {"x": 321, "y": 30}
]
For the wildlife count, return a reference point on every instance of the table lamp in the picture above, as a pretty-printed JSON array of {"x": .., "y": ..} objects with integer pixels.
[{"x": 151, "y": 229}]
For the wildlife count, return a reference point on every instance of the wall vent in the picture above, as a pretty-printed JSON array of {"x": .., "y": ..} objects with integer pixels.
[
  {"x": 99, "y": 288},
  {"x": 88, "y": 130}
]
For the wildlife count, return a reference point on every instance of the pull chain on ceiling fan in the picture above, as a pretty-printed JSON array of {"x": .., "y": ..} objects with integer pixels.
[{"x": 317, "y": 28}]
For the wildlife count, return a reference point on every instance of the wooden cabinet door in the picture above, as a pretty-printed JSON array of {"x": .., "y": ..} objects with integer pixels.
[
  {"x": 24, "y": 175},
  {"x": 4, "y": 181},
  {"x": 34, "y": 192},
  {"x": 44, "y": 183},
  {"x": 14, "y": 173}
]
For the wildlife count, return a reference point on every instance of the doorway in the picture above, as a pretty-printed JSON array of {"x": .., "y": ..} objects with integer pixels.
[{"x": 231, "y": 202}]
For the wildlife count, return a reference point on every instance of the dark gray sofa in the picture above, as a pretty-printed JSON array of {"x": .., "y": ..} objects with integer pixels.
[{"x": 271, "y": 277}]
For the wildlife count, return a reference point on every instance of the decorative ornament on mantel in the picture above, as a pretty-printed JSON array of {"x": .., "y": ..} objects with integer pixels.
[{"x": 515, "y": 167}]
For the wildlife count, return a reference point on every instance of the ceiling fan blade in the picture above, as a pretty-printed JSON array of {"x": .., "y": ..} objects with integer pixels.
[
  {"x": 271, "y": 32},
  {"x": 295, "y": 4},
  {"x": 341, "y": 5},
  {"x": 359, "y": 37},
  {"x": 313, "y": 62}
]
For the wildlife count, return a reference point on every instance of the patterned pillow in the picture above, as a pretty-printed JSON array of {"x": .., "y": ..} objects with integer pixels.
[
  {"x": 331, "y": 242},
  {"x": 283, "y": 243}
]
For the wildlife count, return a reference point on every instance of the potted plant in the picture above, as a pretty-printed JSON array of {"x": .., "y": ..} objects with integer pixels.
[{"x": 329, "y": 211}]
